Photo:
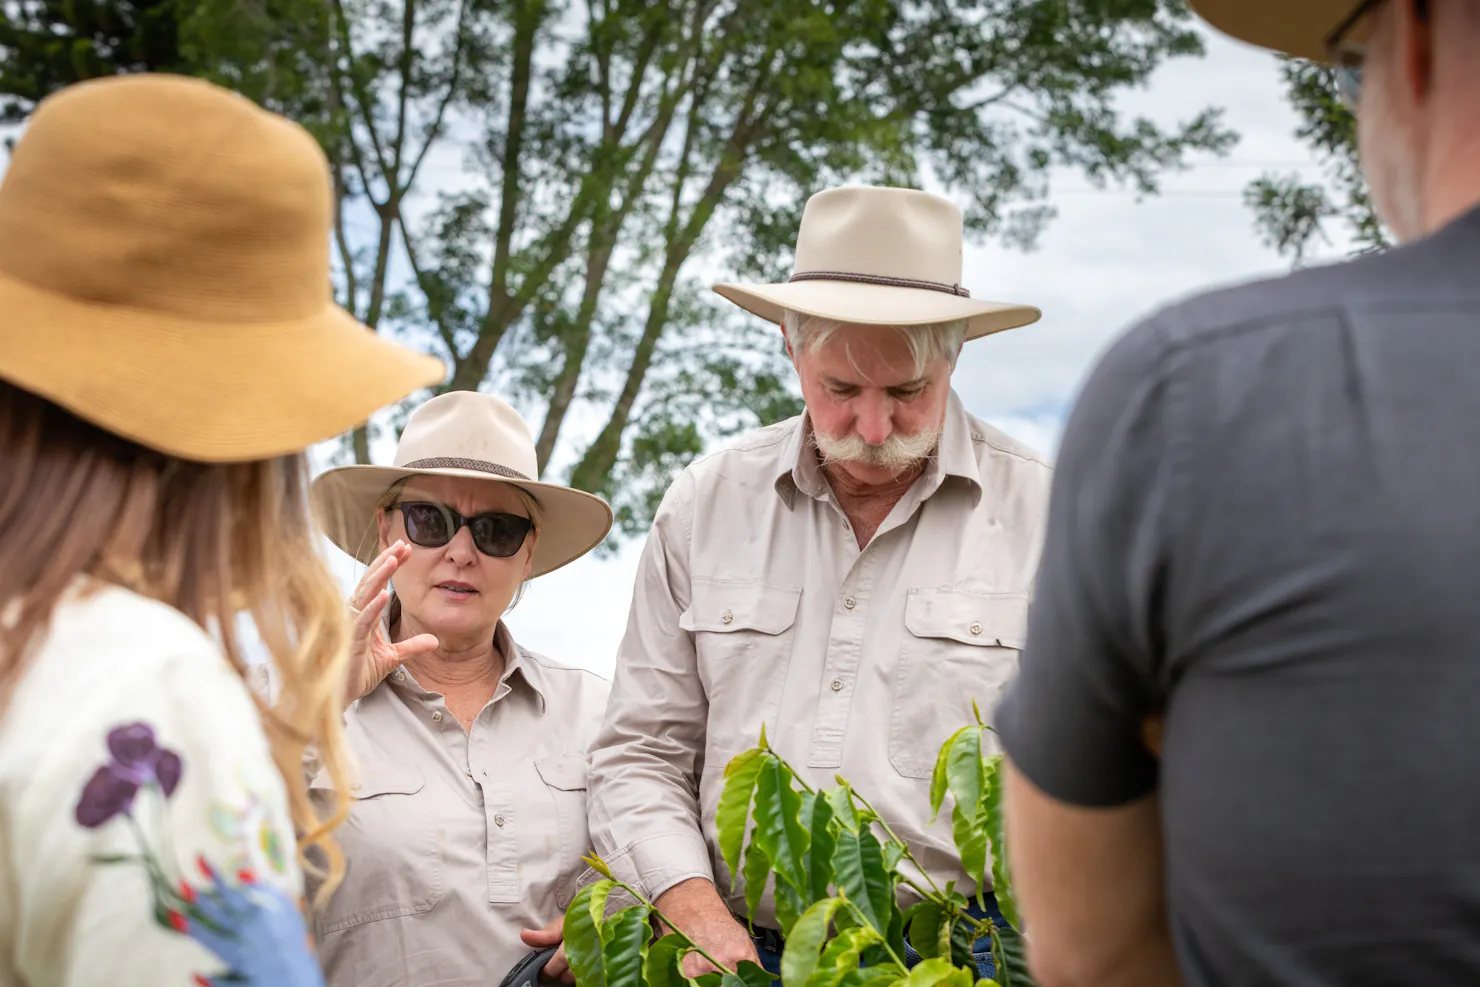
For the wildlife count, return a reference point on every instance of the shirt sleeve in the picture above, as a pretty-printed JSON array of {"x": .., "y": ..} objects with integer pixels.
[
  {"x": 1071, "y": 722},
  {"x": 153, "y": 844},
  {"x": 645, "y": 762}
]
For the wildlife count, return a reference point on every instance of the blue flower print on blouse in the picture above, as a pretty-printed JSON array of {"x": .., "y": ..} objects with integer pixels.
[{"x": 255, "y": 929}]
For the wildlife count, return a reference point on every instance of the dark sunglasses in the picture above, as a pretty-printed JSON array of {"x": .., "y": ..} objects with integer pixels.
[
  {"x": 1348, "y": 57},
  {"x": 434, "y": 525}
]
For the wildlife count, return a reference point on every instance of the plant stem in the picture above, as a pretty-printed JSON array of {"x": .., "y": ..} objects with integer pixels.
[
  {"x": 669, "y": 922},
  {"x": 883, "y": 936},
  {"x": 908, "y": 854}
]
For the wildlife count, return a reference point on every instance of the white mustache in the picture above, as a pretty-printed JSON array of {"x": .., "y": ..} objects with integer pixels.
[{"x": 897, "y": 453}]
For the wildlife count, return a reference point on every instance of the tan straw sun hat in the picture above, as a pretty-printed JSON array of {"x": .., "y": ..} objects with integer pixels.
[
  {"x": 879, "y": 256},
  {"x": 1295, "y": 27},
  {"x": 164, "y": 274},
  {"x": 470, "y": 436}
]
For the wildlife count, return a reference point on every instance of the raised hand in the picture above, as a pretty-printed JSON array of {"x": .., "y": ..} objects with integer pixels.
[{"x": 372, "y": 654}]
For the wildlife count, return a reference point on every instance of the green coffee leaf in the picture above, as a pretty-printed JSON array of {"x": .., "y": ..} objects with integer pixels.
[
  {"x": 757, "y": 873},
  {"x": 583, "y": 946},
  {"x": 938, "y": 778},
  {"x": 734, "y": 804},
  {"x": 964, "y": 772},
  {"x": 711, "y": 979},
  {"x": 598, "y": 865},
  {"x": 971, "y": 843},
  {"x": 817, "y": 817},
  {"x": 996, "y": 824},
  {"x": 624, "y": 946},
  {"x": 800, "y": 958},
  {"x": 874, "y": 976},
  {"x": 789, "y": 904},
  {"x": 929, "y": 973},
  {"x": 840, "y": 800},
  {"x": 839, "y": 957},
  {"x": 893, "y": 854},
  {"x": 1011, "y": 957},
  {"x": 748, "y": 974},
  {"x": 858, "y": 868},
  {"x": 924, "y": 921},
  {"x": 661, "y": 967},
  {"x": 778, "y": 825}
]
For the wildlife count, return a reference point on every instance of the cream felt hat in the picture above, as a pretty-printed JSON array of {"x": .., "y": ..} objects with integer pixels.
[
  {"x": 1295, "y": 27},
  {"x": 879, "y": 256},
  {"x": 470, "y": 436},
  {"x": 164, "y": 274}
]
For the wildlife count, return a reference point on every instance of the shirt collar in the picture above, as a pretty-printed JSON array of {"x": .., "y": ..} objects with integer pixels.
[
  {"x": 519, "y": 670},
  {"x": 799, "y": 469}
]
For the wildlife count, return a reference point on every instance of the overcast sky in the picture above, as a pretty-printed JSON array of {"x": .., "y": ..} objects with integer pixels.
[{"x": 1106, "y": 260}]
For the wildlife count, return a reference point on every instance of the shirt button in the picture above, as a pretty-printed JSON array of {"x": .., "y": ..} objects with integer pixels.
[
  {"x": 437, "y": 716},
  {"x": 498, "y": 820},
  {"x": 726, "y": 617},
  {"x": 400, "y": 676},
  {"x": 837, "y": 685},
  {"x": 975, "y": 628},
  {"x": 850, "y": 603}
]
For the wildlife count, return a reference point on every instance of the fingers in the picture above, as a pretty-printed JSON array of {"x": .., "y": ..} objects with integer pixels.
[
  {"x": 378, "y": 576},
  {"x": 558, "y": 969},
  {"x": 548, "y": 936},
  {"x": 418, "y": 645}
]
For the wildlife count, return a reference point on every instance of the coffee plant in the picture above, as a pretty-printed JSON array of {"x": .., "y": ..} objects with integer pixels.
[{"x": 835, "y": 870}]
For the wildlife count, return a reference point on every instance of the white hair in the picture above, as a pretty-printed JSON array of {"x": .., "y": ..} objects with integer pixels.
[{"x": 927, "y": 342}]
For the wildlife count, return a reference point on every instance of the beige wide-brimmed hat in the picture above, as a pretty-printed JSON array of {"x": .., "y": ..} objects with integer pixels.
[
  {"x": 164, "y": 274},
  {"x": 470, "y": 436},
  {"x": 879, "y": 256},
  {"x": 1295, "y": 27}
]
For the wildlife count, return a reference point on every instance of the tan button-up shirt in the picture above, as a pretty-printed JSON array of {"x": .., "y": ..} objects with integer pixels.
[
  {"x": 457, "y": 840},
  {"x": 754, "y": 605}
]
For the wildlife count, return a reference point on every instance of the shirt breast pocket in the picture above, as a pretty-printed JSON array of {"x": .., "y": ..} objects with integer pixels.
[
  {"x": 393, "y": 865},
  {"x": 564, "y": 776},
  {"x": 959, "y": 647},
  {"x": 743, "y": 634}
]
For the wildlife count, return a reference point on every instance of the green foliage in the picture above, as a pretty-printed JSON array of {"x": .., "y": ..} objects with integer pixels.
[
  {"x": 1292, "y": 214},
  {"x": 541, "y": 192},
  {"x": 837, "y": 877}
]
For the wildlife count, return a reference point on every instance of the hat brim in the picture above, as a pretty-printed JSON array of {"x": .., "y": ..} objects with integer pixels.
[
  {"x": 873, "y": 304},
  {"x": 346, "y": 500},
  {"x": 1298, "y": 29},
  {"x": 212, "y": 392}
]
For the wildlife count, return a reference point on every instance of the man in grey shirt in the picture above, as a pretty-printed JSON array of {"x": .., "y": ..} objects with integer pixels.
[{"x": 1264, "y": 543}]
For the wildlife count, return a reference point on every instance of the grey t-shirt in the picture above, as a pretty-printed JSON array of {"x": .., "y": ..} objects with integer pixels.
[{"x": 1266, "y": 519}]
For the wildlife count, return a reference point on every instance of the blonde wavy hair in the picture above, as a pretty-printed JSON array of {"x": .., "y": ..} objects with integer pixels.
[{"x": 212, "y": 540}]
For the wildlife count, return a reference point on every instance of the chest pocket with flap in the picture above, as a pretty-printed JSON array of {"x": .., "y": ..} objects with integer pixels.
[
  {"x": 564, "y": 776},
  {"x": 743, "y": 632},
  {"x": 392, "y": 864},
  {"x": 960, "y": 646}
]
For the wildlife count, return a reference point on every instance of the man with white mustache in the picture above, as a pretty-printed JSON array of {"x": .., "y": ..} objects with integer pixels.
[{"x": 852, "y": 579}]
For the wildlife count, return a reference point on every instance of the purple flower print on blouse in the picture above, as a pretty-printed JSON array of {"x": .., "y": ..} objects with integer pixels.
[{"x": 135, "y": 760}]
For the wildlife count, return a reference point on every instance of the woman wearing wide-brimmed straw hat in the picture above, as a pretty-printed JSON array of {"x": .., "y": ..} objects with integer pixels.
[
  {"x": 464, "y": 845},
  {"x": 168, "y": 349}
]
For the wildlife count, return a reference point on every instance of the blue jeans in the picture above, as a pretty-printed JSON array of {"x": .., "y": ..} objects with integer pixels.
[{"x": 769, "y": 943}]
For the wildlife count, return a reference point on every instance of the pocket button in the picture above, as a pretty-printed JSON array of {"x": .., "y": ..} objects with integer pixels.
[
  {"x": 726, "y": 617},
  {"x": 975, "y": 628}
]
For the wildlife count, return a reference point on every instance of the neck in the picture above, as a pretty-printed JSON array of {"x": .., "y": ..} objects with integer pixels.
[
  {"x": 1451, "y": 185},
  {"x": 868, "y": 504},
  {"x": 454, "y": 668}
]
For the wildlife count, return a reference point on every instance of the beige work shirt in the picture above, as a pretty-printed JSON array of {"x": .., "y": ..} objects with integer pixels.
[
  {"x": 754, "y": 605},
  {"x": 457, "y": 840}
]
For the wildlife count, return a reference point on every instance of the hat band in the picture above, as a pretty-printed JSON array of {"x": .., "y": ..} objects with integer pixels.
[
  {"x": 950, "y": 289},
  {"x": 478, "y": 465}
]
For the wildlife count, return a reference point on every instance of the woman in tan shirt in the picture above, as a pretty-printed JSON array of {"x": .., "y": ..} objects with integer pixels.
[{"x": 464, "y": 844}]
